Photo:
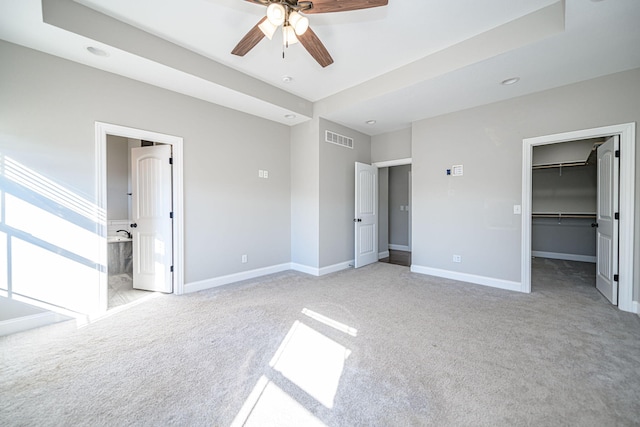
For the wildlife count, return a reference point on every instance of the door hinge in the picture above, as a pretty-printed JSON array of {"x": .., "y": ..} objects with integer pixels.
[
  {"x": 170, "y": 160},
  {"x": 616, "y": 215},
  {"x": 171, "y": 215},
  {"x": 617, "y": 153},
  {"x": 616, "y": 278},
  {"x": 171, "y": 270}
]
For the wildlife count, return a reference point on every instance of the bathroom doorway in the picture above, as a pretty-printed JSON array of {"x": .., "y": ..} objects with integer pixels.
[{"x": 141, "y": 248}]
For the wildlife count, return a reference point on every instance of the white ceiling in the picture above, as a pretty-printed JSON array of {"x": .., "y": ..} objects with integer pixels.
[{"x": 368, "y": 46}]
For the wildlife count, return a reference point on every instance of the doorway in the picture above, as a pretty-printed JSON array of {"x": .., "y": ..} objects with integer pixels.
[
  {"x": 395, "y": 212},
  {"x": 626, "y": 133},
  {"x": 103, "y": 130}
]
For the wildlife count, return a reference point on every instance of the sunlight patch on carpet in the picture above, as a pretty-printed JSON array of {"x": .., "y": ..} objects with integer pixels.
[
  {"x": 330, "y": 322},
  {"x": 269, "y": 405},
  {"x": 311, "y": 361}
]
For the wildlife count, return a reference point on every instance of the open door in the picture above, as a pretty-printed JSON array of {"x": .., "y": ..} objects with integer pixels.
[
  {"x": 607, "y": 223},
  {"x": 152, "y": 218},
  {"x": 366, "y": 215}
]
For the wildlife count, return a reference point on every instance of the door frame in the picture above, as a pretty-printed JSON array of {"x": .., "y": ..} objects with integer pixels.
[
  {"x": 400, "y": 162},
  {"x": 101, "y": 132},
  {"x": 627, "y": 133}
]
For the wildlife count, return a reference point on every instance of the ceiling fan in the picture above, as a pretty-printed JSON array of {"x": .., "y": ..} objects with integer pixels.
[{"x": 295, "y": 26}]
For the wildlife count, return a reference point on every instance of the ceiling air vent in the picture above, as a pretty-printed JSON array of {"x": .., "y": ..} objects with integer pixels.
[{"x": 336, "y": 138}]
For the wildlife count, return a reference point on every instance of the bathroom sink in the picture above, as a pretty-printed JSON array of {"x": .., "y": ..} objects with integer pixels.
[{"x": 114, "y": 239}]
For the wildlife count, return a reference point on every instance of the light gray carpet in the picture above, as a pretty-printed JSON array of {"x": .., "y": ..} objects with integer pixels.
[
  {"x": 407, "y": 350},
  {"x": 121, "y": 290}
]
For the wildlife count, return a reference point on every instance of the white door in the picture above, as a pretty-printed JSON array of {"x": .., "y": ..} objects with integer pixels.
[
  {"x": 366, "y": 215},
  {"x": 152, "y": 223},
  {"x": 607, "y": 224}
]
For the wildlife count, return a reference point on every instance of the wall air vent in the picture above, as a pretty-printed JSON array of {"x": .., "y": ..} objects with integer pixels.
[{"x": 336, "y": 138}]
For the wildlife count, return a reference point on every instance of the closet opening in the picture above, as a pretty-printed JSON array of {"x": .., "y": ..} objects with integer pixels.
[
  {"x": 564, "y": 193},
  {"x": 571, "y": 232}
]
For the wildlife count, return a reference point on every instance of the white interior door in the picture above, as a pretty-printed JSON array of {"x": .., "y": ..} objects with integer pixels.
[
  {"x": 366, "y": 215},
  {"x": 607, "y": 231},
  {"x": 152, "y": 223}
]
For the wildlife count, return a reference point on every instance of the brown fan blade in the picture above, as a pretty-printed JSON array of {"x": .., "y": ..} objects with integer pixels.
[
  {"x": 326, "y": 6},
  {"x": 262, "y": 2},
  {"x": 250, "y": 40},
  {"x": 314, "y": 46}
]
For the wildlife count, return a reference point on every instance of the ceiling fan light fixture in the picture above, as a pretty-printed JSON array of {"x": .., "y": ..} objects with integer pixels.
[
  {"x": 268, "y": 29},
  {"x": 289, "y": 35},
  {"x": 276, "y": 14},
  {"x": 298, "y": 22}
]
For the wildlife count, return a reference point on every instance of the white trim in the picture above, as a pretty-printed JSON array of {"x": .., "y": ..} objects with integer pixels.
[
  {"x": 399, "y": 247},
  {"x": 24, "y": 323},
  {"x": 314, "y": 271},
  {"x": 233, "y": 278},
  {"x": 335, "y": 267},
  {"x": 627, "y": 134},
  {"x": 390, "y": 163},
  {"x": 384, "y": 254},
  {"x": 567, "y": 257},
  {"x": 635, "y": 307},
  {"x": 101, "y": 132},
  {"x": 470, "y": 278}
]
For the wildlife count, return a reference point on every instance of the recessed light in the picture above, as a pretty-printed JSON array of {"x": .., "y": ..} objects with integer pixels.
[
  {"x": 287, "y": 79},
  {"x": 370, "y": 122},
  {"x": 289, "y": 116},
  {"x": 97, "y": 51},
  {"x": 510, "y": 81}
]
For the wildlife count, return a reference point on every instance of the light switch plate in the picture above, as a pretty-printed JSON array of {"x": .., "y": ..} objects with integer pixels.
[{"x": 517, "y": 209}]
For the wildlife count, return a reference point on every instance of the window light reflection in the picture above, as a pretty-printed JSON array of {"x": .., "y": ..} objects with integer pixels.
[{"x": 311, "y": 361}]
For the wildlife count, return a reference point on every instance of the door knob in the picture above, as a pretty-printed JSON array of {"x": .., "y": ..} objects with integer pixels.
[
  {"x": 594, "y": 224},
  {"x": 134, "y": 225}
]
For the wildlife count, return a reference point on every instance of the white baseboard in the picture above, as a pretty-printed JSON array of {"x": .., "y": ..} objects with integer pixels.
[
  {"x": 399, "y": 247},
  {"x": 383, "y": 255},
  {"x": 566, "y": 257},
  {"x": 24, "y": 323},
  {"x": 252, "y": 274},
  {"x": 470, "y": 278},
  {"x": 336, "y": 267},
  {"x": 314, "y": 271},
  {"x": 232, "y": 278},
  {"x": 635, "y": 307}
]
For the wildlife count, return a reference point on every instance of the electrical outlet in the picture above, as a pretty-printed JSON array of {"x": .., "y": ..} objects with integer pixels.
[
  {"x": 457, "y": 258},
  {"x": 266, "y": 174},
  {"x": 244, "y": 258},
  {"x": 260, "y": 173}
]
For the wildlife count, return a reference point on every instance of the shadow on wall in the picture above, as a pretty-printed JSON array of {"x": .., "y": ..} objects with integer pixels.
[{"x": 51, "y": 242}]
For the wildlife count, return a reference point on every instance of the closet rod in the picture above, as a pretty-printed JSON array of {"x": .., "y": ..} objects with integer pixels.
[
  {"x": 561, "y": 215},
  {"x": 559, "y": 165}
]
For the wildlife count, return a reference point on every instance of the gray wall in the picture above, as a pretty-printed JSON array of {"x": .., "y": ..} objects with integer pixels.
[
  {"x": 337, "y": 192},
  {"x": 399, "y": 196},
  {"x": 305, "y": 194},
  {"x": 383, "y": 210},
  {"x": 48, "y": 110},
  {"x": 472, "y": 215},
  {"x": 572, "y": 191},
  {"x": 117, "y": 177},
  {"x": 391, "y": 146}
]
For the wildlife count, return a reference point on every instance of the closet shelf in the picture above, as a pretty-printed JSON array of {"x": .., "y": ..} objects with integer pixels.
[{"x": 560, "y": 215}]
